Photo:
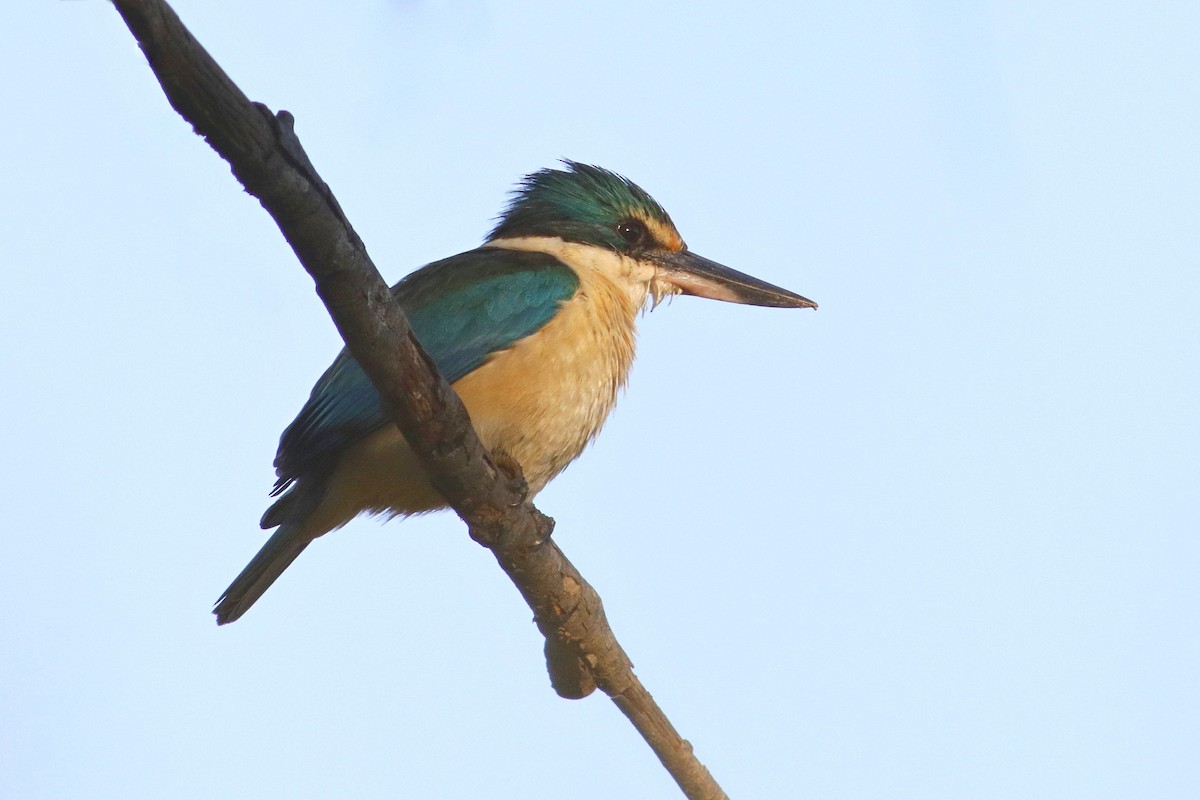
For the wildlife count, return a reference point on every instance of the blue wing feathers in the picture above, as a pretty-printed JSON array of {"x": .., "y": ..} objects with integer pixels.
[{"x": 462, "y": 309}]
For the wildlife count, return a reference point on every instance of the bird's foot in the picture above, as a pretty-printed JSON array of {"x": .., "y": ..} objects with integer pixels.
[{"x": 510, "y": 472}]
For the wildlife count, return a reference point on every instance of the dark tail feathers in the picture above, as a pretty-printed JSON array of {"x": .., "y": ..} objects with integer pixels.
[
  {"x": 280, "y": 550},
  {"x": 267, "y": 565}
]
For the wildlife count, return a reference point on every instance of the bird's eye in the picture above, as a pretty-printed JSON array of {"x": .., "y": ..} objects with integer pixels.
[{"x": 633, "y": 231}]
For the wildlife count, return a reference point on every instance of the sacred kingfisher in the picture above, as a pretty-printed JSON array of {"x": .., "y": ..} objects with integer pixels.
[{"x": 535, "y": 331}]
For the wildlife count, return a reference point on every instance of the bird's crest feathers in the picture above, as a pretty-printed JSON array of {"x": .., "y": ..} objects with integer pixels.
[{"x": 583, "y": 203}]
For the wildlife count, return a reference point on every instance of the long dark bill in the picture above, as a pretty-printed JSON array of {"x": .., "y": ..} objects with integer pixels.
[{"x": 696, "y": 275}]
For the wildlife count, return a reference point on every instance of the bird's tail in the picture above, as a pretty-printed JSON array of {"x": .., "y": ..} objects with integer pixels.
[{"x": 269, "y": 563}]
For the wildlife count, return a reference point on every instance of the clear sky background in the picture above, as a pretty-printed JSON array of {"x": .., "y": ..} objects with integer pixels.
[{"x": 939, "y": 539}]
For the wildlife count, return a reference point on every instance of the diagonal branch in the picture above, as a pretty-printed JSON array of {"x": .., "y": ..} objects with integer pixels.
[{"x": 489, "y": 494}]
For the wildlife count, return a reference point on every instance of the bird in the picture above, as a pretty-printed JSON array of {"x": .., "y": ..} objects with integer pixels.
[{"x": 535, "y": 331}]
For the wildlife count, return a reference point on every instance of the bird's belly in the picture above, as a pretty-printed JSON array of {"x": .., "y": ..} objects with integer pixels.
[{"x": 541, "y": 402}]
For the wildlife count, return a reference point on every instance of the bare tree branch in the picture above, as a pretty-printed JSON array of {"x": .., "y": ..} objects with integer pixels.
[{"x": 488, "y": 493}]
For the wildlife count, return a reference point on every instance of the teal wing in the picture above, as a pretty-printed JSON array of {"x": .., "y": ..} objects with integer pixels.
[{"x": 461, "y": 309}]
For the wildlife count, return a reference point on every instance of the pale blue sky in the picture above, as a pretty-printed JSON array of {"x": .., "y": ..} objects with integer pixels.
[{"x": 938, "y": 539}]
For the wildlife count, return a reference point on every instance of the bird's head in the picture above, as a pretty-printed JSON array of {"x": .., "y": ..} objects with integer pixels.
[{"x": 592, "y": 206}]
